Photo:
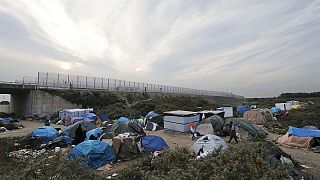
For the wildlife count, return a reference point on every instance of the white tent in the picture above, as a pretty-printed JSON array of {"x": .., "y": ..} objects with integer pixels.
[{"x": 210, "y": 143}]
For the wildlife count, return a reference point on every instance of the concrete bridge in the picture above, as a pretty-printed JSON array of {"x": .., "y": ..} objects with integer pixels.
[{"x": 28, "y": 97}]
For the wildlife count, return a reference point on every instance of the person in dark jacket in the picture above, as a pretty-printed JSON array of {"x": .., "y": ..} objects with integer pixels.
[
  {"x": 80, "y": 135},
  {"x": 233, "y": 134}
]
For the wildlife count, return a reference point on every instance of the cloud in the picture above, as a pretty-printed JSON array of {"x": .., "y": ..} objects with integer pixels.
[{"x": 251, "y": 48}]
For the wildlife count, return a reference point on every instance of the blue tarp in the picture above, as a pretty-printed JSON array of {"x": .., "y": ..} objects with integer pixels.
[
  {"x": 94, "y": 153},
  {"x": 104, "y": 117},
  {"x": 46, "y": 133},
  {"x": 153, "y": 143},
  {"x": 63, "y": 141},
  {"x": 301, "y": 132},
  {"x": 151, "y": 114},
  {"x": 96, "y": 132},
  {"x": 242, "y": 109},
  {"x": 6, "y": 120},
  {"x": 123, "y": 120},
  {"x": 275, "y": 110},
  {"x": 91, "y": 116}
]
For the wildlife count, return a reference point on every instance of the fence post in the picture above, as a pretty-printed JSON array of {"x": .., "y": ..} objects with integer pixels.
[
  {"x": 77, "y": 81},
  {"x": 94, "y": 82},
  {"x": 47, "y": 80},
  {"x": 58, "y": 80},
  {"x": 86, "y": 82},
  {"x": 108, "y": 84},
  {"x": 102, "y": 83}
]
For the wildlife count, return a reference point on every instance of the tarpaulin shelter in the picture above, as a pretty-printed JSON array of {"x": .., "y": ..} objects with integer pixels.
[
  {"x": 93, "y": 153},
  {"x": 123, "y": 120},
  {"x": 258, "y": 116},
  {"x": 62, "y": 141},
  {"x": 90, "y": 116},
  {"x": 204, "y": 129},
  {"x": 151, "y": 114},
  {"x": 216, "y": 121},
  {"x": 300, "y": 137},
  {"x": 120, "y": 128},
  {"x": 71, "y": 130},
  {"x": 97, "y": 132},
  {"x": 210, "y": 143},
  {"x": 126, "y": 148},
  {"x": 275, "y": 110},
  {"x": 103, "y": 117},
  {"x": 245, "y": 129},
  {"x": 242, "y": 109},
  {"x": 6, "y": 120},
  {"x": 45, "y": 133},
  {"x": 153, "y": 143},
  {"x": 151, "y": 126}
]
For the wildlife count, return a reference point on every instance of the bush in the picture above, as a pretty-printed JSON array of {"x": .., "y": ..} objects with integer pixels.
[{"x": 244, "y": 161}]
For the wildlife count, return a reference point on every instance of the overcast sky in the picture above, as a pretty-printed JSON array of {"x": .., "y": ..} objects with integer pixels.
[{"x": 251, "y": 48}]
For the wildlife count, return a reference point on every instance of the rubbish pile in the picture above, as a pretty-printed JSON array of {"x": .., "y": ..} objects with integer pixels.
[{"x": 26, "y": 153}]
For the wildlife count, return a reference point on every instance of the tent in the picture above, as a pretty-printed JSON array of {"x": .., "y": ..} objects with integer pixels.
[
  {"x": 104, "y": 117},
  {"x": 45, "y": 133},
  {"x": 242, "y": 109},
  {"x": 210, "y": 143},
  {"x": 258, "y": 116},
  {"x": 300, "y": 137},
  {"x": 151, "y": 126},
  {"x": 126, "y": 148},
  {"x": 76, "y": 119},
  {"x": 158, "y": 120},
  {"x": 216, "y": 122},
  {"x": 62, "y": 141},
  {"x": 120, "y": 128},
  {"x": 153, "y": 143},
  {"x": 97, "y": 132},
  {"x": 151, "y": 114},
  {"x": 94, "y": 153},
  {"x": 204, "y": 129},
  {"x": 245, "y": 129},
  {"x": 6, "y": 120},
  {"x": 123, "y": 120},
  {"x": 71, "y": 130},
  {"x": 90, "y": 116},
  {"x": 275, "y": 110}
]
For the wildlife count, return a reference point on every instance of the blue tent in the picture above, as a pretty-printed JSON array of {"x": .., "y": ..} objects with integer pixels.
[
  {"x": 123, "y": 120},
  {"x": 275, "y": 110},
  {"x": 91, "y": 116},
  {"x": 301, "y": 132},
  {"x": 95, "y": 132},
  {"x": 242, "y": 109},
  {"x": 46, "y": 133},
  {"x": 153, "y": 143},
  {"x": 151, "y": 114},
  {"x": 6, "y": 120},
  {"x": 94, "y": 153},
  {"x": 104, "y": 117}
]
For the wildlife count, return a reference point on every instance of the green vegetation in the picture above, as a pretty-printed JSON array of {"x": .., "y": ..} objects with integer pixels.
[
  {"x": 132, "y": 105},
  {"x": 244, "y": 161}
]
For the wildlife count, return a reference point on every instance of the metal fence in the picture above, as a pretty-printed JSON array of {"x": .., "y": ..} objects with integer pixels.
[{"x": 54, "y": 80}]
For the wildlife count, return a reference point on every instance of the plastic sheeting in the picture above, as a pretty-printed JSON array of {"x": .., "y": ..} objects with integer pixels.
[
  {"x": 91, "y": 116},
  {"x": 123, "y": 120},
  {"x": 46, "y": 133},
  {"x": 301, "y": 132},
  {"x": 153, "y": 143},
  {"x": 71, "y": 130},
  {"x": 94, "y": 153},
  {"x": 6, "y": 120},
  {"x": 210, "y": 143},
  {"x": 95, "y": 132}
]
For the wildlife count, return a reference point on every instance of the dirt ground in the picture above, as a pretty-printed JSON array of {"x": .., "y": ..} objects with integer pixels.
[
  {"x": 29, "y": 126},
  {"x": 305, "y": 157}
]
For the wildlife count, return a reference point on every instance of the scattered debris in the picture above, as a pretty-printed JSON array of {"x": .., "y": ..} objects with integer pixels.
[
  {"x": 25, "y": 153},
  {"x": 106, "y": 167}
]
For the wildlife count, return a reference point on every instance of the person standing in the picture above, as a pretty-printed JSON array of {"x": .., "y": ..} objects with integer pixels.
[
  {"x": 80, "y": 135},
  {"x": 233, "y": 134}
]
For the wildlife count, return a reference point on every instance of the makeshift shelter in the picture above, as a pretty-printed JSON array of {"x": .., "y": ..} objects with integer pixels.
[
  {"x": 300, "y": 137},
  {"x": 216, "y": 122},
  {"x": 158, "y": 120},
  {"x": 258, "y": 116},
  {"x": 45, "y": 133},
  {"x": 6, "y": 120},
  {"x": 62, "y": 141},
  {"x": 151, "y": 126},
  {"x": 120, "y": 128},
  {"x": 228, "y": 111},
  {"x": 178, "y": 120},
  {"x": 244, "y": 129},
  {"x": 242, "y": 109},
  {"x": 71, "y": 130},
  {"x": 151, "y": 114},
  {"x": 283, "y": 106},
  {"x": 275, "y": 110},
  {"x": 90, "y": 116},
  {"x": 97, "y": 132},
  {"x": 210, "y": 143},
  {"x": 123, "y": 120},
  {"x": 126, "y": 148},
  {"x": 203, "y": 129},
  {"x": 206, "y": 114},
  {"x": 296, "y": 107},
  {"x": 103, "y": 117},
  {"x": 76, "y": 119},
  {"x": 153, "y": 143},
  {"x": 93, "y": 153},
  {"x": 73, "y": 113}
]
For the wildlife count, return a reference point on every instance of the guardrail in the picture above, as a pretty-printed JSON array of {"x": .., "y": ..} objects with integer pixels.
[{"x": 62, "y": 81}]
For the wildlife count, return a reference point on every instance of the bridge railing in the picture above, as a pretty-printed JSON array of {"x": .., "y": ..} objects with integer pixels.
[{"x": 63, "y": 81}]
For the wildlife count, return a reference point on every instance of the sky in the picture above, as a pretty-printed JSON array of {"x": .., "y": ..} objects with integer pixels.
[{"x": 248, "y": 47}]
